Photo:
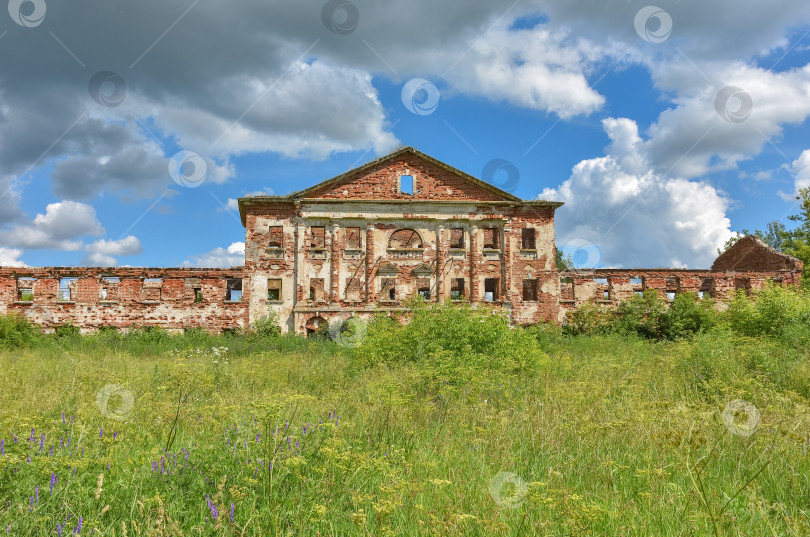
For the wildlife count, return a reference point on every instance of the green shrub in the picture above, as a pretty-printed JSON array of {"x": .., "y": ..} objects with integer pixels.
[
  {"x": 452, "y": 337},
  {"x": 589, "y": 319},
  {"x": 266, "y": 326},
  {"x": 67, "y": 330},
  {"x": 641, "y": 315},
  {"x": 687, "y": 316},
  {"x": 16, "y": 331},
  {"x": 773, "y": 311}
]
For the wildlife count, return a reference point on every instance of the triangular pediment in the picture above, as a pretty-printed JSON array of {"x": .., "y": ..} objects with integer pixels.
[
  {"x": 422, "y": 270},
  {"x": 380, "y": 179},
  {"x": 389, "y": 269}
]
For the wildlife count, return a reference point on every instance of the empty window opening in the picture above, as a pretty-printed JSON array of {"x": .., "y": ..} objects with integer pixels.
[
  {"x": 318, "y": 239},
  {"x": 276, "y": 237},
  {"x": 67, "y": 289},
  {"x": 353, "y": 238},
  {"x": 491, "y": 289},
  {"x": 406, "y": 184},
  {"x": 742, "y": 284},
  {"x": 491, "y": 238},
  {"x": 566, "y": 288},
  {"x": 198, "y": 296},
  {"x": 530, "y": 290},
  {"x": 25, "y": 289},
  {"x": 273, "y": 289},
  {"x": 405, "y": 238},
  {"x": 457, "y": 289},
  {"x": 109, "y": 288},
  {"x": 638, "y": 293},
  {"x": 233, "y": 290},
  {"x": 636, "y": 281},
  {"x": 670, "y": 296},
  {"x": 605, "y": 295},
  {"x": 388, "y": 290},
  {"x": 316, "y": 290},
  {"x": 527, "y": 237},
  {"x": 424, "y": 292},
  {"x": 706, "y": 287},
  {"x": 600, "y": 281},
  {"x": 456, "y": 237}
]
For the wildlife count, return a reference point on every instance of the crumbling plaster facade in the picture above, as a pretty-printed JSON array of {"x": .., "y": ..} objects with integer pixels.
[{"x": 363, "y": 243}]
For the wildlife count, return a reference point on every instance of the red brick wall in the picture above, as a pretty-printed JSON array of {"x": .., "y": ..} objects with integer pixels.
[{"x": 176, "y": 308}]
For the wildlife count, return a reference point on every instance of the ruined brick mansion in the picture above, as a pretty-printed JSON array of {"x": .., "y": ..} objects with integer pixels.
[{"x": 362, "y": 243}]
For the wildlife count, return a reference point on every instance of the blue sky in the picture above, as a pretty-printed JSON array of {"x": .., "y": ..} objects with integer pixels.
[{"x": 664, "y": 128}]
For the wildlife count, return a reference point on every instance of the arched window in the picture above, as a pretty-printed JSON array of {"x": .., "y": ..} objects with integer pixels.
[
  {"x": 405, "y": 238},
  {"x": 314, "y": 324}
]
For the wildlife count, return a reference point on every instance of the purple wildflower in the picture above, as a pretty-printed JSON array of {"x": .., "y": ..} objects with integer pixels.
[
  {"x": 58, "y": 530},
  {"x": 63, "y": 422},
  {"x": 78, "y": 529},
  {"x": 3, "y": 446},
  {"x": 257, "y": 438},
  {"x": 61, "y": 440},
  {"x": 232, "y": 507},
  {"x": 212, "y": 507},
  {"x": 101, "y": 433},
  {"x": 36, "y": 491},
  {"x": 115, "y": 434},
  {"x": 32, "y": 435},
  {"x": 42, "y": 443},
  {"x": 51, "y": 452},
  {"x": 53, "y": 481},
  {"x": 68, "y": 442}
]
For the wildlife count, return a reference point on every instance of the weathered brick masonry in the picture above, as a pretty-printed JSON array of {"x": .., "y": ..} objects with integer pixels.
[{"x": 364, "y": 242}]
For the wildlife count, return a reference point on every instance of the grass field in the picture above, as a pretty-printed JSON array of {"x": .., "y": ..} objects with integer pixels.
[{"x": 152, "y": 434}]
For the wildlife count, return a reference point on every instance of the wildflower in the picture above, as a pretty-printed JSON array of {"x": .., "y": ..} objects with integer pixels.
[
  {"x": 50, "y": 453},
  {"x": 36, "y": 491},
  {"x": 53, "y": 481},
  {"x": 42, "y": 443},
  {"x": 61, "y": 440},
  {"x": 232, "y": 507},
  {"x": 101, "y": 433},
  {"x": 63, "y": 422},
  {"x": 257, "y": 438},
  {"x": 58, "y": 530},
  {"x": 115, "y": 434},
  {"x": 212, "y": 507},
  {"x": 78, "y": 529},
  {"x": 3, "y": 446}
]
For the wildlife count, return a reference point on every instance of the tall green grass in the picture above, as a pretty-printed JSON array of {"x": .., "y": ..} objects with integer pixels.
[{"x": 454, "y": 424}]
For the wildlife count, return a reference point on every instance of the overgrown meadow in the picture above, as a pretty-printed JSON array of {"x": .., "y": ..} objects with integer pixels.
[{"x": 642, "y": 422}]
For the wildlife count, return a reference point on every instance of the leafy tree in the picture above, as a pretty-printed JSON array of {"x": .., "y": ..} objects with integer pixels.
[
  {"x": 797, "y": 240},
  {"x": 774, "y": 237}
]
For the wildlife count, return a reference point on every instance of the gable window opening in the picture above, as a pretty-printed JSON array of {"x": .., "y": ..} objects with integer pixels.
[
  {"x": 491, "y": 289},
  {"x": 528, "y": 241},
  {"x": 406, "y": 184},
  {"x": 233, "y": 291}
]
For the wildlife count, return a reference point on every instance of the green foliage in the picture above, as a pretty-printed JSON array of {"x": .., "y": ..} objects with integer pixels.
[
  {"x": 67, "y": 330},
  {"x": 452, "y": 337},
  {"x": 773, "y": 311},
  {"x": 646, "y": 316},
  {"x": 16, "y": 331},
  {"x": 641, "y": 315},
  {"x": 590, "y": 319},
  {"x": 267, "y": 326}
]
